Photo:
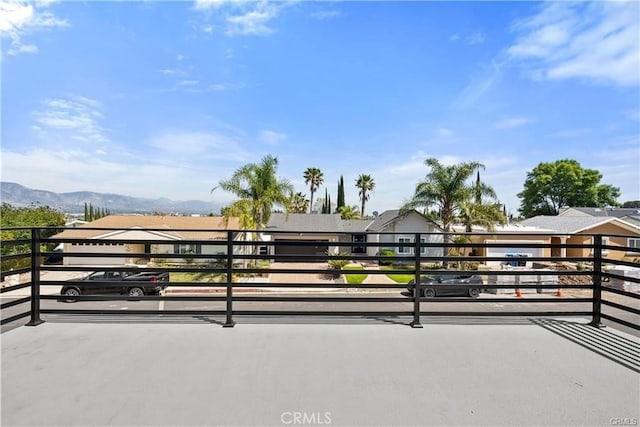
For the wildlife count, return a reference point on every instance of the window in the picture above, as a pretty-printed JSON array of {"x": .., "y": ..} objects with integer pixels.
[
  {"x": 423, "y": 250},
  {"x": 186, "y": 249},
  {"x": 405, "y": 250},
  {"x": 633, "y": 243}
]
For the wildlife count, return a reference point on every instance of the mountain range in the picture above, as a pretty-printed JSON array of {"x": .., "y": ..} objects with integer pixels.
[{"x": 19, "y": 195}]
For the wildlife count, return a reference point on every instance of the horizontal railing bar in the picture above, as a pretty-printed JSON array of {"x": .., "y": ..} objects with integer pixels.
[
  {"x": 621, "y": 292},
  {"x": 623, "y": 278},
  {"x": 128, "y": 298},
  {"x": 14, "y": 287},
  {"x": 609, "y": 261},
  {"x": 621, "y": 307},
  {"x": 16, "y": 242},
  {"x": 14, "y": 272},
  {"x": 123, "y": 313},
  {"x": 16, "y": 302},
  {"x": 620, "y": 321},
  {"x": 14, "y": 318},
  {"x": 14, "y": 256}
]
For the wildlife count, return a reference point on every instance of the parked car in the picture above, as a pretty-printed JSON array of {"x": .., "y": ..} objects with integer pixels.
[
  {"x": 449, "y": 284},
  {"x": 117, "y": 282}
]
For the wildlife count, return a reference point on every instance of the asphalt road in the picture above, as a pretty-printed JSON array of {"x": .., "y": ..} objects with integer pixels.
[{"x": 402, "y": 304}]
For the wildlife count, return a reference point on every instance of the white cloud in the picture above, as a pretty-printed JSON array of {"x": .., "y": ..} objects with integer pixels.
[
  {"x": 511, "y": 122},
  {"x": 594, "y": 41},
  {"x": 479, "y": 85},
  {"x": 179, "y": 57},
  {"x": 444, "y": 132},
  {"x": 76, "y": 117},
  {"x": 325, "y": 14},
  {"x": 454, "y": 37},
  {"x": 183, "y": 145},
  {"x": 240, "y": 17},
  {"x": 475, "y": 38},
  {"x": 188, "y": 83},
  {"x": 270, "y": 137},
  {"x": 19, "y": 19}
]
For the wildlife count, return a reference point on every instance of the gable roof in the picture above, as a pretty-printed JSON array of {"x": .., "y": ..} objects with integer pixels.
[
  {"x": 573, "y": 224},
  {"x": 387, "y": 217},
  {"x": 214, "y": 224},
  {"x": 599, "y": 212},
  {"x": 325, "y": 223}
]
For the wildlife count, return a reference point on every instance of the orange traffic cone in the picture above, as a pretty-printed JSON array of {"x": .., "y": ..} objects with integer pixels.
[
  {"x": 558, "y": 292},
  {"x": 518, "y": 293}
]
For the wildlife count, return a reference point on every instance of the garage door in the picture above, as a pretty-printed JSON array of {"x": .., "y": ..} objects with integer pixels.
[
  {"x": 109, "y": 248},
  {"x": 293, "y": 247},
  {"x": 515, "y": 255}
]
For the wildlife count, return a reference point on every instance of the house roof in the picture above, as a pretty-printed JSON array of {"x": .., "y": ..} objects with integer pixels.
[
  {"x": 599, "y": 212},
  {"x": 325, "y": 223},
  {"x": 573, "y": 224},
  {"x": 214, "y": 225},
  {"x": 387, "y": 217}
]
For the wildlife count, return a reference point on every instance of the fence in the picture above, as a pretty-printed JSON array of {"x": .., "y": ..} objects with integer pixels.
[{"x": 430, "y": 260}]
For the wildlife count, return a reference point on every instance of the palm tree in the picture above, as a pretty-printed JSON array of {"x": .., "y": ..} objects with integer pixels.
[
  {"x": 446, "y": 188},
  {"x": 365, "y": 184},
  {"x": 297, "y": 203},
  {"x": 486, "y": 215},
  {"x": 313, "y": 177},
  {"x": 349, "y": 212},
  {"x": 259, "y": 189}
]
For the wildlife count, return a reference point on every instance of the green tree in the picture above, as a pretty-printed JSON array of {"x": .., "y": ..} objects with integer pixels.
[
  {"x": 340, "y": 203},
  {"x": 41, "y": 216},
  {"x": 551, "y": 186},
  {"x": 349, "y": 212},
  {"x": 365, "y": 185},
  {"x": 297, "y": 203},
  {"x": 631, "y": 204},
  {"x": 86, "y": 212},
  {"x": 485, "y": 215},
  {"x": 259, "y": 189},
  {"x": 315, "y": 178},
  {"x": 447, "y": 189}
]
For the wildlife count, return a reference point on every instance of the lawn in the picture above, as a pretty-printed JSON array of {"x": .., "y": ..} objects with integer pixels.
[
  {"x": 399, "y": 278},
  {"x": 354, "y": 279},
  {"x": 196, "y": 277}
]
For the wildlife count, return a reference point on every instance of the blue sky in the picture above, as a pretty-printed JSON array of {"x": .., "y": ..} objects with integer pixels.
[{"x": 164, "y": 99}]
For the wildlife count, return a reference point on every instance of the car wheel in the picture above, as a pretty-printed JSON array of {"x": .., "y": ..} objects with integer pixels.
[
  {"x": 474, "y": 292},
  {"x": 429, "y": 293},
  {"x": 72, "y": 292},
  {"x": 136, "y": 292}
]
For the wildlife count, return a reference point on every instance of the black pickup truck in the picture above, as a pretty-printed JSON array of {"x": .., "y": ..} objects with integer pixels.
[{"x": 134, "y": 284}]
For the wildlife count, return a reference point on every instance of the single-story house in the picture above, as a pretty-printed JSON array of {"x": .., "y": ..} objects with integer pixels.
[
  {"x": 172, "y": 229},
  {"x": 579, "y": 230},
  {"x": 325, "y": 229}
]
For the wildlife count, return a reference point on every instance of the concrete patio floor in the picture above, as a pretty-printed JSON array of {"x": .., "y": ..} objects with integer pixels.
[{"x": 318, "y": 371}]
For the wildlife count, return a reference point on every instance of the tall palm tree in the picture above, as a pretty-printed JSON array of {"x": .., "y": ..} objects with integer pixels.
[
  {"x": 258, "y": 188},
  {"x": 313, "y": 177},
  {"x": 447, "y": 189},
  {"x": 297, "y": 203},
  {"x": 366, "y": 185}
]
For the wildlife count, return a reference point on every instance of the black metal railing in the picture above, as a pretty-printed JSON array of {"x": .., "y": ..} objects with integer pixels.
[{"x": 241, "y": 255}]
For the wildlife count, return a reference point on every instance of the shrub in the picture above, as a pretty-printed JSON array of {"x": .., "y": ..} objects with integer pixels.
[{"x": 387, "y": 253}]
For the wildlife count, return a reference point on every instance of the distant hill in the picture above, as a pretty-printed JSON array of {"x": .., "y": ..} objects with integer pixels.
[{"x": 18, "y": 195}]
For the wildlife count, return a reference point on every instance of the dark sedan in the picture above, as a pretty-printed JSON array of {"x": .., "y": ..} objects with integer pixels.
[
  {"x": 118, "y": 282},
  {"x": 449, "y": 284}
]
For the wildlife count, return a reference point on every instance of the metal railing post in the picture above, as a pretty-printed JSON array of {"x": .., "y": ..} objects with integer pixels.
[
  {"x": 597, "y": 282},
  {"x": 417, "y": 288},
  {"x": 229, "y": 323},
  {"x": 35, "y": 278}
]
